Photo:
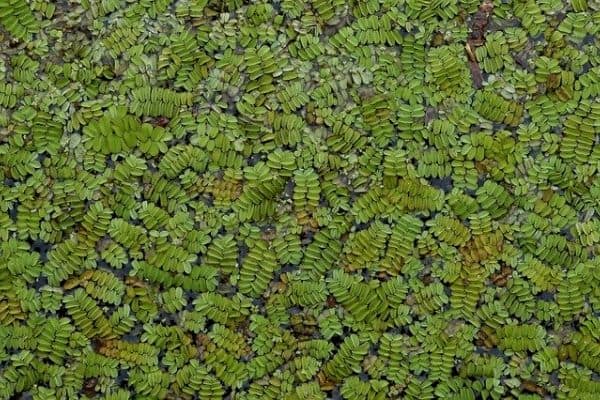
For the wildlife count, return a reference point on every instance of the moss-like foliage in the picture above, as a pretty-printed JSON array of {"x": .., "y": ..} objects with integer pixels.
[{"x": 299, "y": 199}]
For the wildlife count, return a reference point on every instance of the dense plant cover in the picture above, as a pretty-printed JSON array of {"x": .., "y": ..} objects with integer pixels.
[{"x": 299, "y": 199}]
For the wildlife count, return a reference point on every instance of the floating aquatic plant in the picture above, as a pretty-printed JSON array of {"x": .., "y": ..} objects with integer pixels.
[{"x": 308, "y": 199}]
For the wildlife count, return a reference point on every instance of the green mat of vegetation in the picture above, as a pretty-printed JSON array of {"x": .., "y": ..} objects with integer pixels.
[{"x": 300, "y": 199}]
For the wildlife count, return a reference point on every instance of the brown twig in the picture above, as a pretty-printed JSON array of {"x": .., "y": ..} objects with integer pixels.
[
  {"x": 476, "y": 38},
  {"x": 479, "y": 23}
]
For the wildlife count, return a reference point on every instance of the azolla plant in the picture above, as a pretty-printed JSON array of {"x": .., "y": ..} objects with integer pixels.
[{"x": 300, "y": 199}]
